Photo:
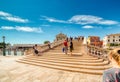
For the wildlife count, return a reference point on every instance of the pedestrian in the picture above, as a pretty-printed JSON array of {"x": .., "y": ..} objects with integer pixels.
[
  {"x": 113, "y": 74},
  {"x": 65, "y": 46},
  {"x": 71, "y": 48},
  {"x": 36, "y": 51}
]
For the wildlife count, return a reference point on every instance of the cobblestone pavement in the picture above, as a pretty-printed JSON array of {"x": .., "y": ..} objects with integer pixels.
[{"x": 12, "y": 71}]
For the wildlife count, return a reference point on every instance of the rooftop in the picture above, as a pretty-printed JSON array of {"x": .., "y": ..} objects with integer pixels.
[{"x": 118, "y": 34}]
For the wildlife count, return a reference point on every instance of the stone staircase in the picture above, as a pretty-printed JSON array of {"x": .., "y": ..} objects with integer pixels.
[{"x": 79, "y": 62}]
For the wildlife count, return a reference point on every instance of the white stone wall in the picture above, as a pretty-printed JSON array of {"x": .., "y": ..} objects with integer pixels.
[
  {"x": 115, "y": 38},
  {"x": 105, "y": 39},
  {"x": 111, "y": 39}
]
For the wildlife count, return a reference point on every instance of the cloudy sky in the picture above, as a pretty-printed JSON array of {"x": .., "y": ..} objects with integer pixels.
[{"x": 34, "y": 21}]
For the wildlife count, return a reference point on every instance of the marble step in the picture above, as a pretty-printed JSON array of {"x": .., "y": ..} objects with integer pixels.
[
  {"x": 74, "y": 55},
  {"x": 66, "y": 59},
  {"x": 88, "y": 71},
  {"x": 69, "y": 62},
  {"x": 68, "y": 65}
]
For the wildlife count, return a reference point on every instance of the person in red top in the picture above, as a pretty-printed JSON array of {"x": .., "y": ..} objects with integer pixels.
[{"x": 65, "y": 46}]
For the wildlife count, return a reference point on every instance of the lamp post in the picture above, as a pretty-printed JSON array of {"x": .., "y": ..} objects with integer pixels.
[{"x": 3, "y": 45}]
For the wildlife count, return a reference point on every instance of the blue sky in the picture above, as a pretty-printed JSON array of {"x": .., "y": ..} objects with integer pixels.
[{"x": 34, "y": 21}]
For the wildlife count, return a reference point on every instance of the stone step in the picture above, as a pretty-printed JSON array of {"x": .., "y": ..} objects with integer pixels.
[
  {"x": 69, "y": 65},
  {"x": 66, "y": 59},
  {"x": 70, "y": 62},
  {"x": 60, "y": 48},
  {"x": 81, "y": 70},
  {"x": 63, "y": 52}
]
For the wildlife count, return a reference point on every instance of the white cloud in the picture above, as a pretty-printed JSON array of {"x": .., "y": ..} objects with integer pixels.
[
  {"x": 4, "y": 14},
  {"x": 83, "y": 20},
  {"x": 108, "y": 22},
  {"x": 7, "y": 27},
  {"x": 50, "y": 19},
  {"x": 15, "y": 19},
  {"x": 87, "y": 27},
  {"x": 23, "y": 28},
  {"x": 89, "y": 19},
  {"x": 45, "y": 25},
  {"x": 29, "y": 29},
  {"x": 9, "y": 17}
]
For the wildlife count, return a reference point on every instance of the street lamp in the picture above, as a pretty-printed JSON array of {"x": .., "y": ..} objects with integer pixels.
[{"x": 3, "y": 45}]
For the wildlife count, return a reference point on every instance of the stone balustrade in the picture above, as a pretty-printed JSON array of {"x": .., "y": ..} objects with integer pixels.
[
  {"x": 97, "y": 51},
  {"x": 45, "y": 47}
]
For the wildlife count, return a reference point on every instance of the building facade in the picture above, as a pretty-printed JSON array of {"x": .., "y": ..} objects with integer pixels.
[
  {"x": 111, "y": 40},
  {"x": 94, "y": 40},
  {"x": 60, "y": 36}
]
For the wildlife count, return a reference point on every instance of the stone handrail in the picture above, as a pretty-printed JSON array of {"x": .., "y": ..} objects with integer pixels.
[
  {"x": 45, "y": 47},
  {"x": 98, "y": 52}
]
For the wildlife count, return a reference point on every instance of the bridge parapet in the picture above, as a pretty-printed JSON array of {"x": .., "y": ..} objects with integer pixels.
[
  {"x": 45, "y": 47},
  {"x": 97, "y": 51}
]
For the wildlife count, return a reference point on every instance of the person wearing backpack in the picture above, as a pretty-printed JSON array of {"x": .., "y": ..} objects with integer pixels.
[
  {"x": 65, "y": 46},
  {"x": 36, "y": 52}
]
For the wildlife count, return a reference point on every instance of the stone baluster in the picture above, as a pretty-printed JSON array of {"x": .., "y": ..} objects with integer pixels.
[
  {"x": 101, "y": 52},
  {"x": 98, "y": 52},
  {"x": 95, "y": 51},
  {"x": 105, "y": 55},
  {"x": 90, "y": 50}
]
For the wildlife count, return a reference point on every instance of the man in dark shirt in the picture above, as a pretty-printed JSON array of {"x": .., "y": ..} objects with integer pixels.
[{"x": 71, "y": 47}]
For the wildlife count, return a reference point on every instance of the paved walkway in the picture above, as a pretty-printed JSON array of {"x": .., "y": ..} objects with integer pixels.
[{"x": 11, "y": 71}]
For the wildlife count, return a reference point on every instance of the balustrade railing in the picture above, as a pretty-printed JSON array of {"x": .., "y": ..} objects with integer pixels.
[
  {"x": 15, "y": 52},
  {"x": 97, "y": 51},
  {"x": 45, "y": 47}
]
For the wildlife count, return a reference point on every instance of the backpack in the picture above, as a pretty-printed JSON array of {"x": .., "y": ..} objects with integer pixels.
[
  {"x": 36, "y": 51},
  {"x": 63, "y": 49}
]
